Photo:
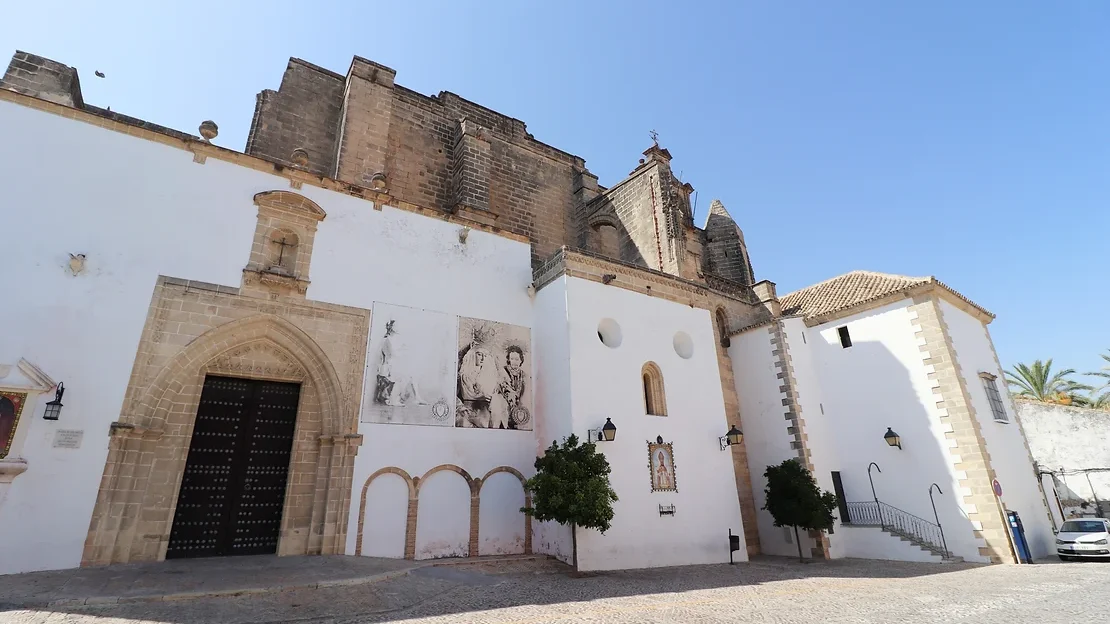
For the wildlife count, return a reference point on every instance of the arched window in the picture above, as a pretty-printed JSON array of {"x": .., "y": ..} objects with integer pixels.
[
  {"x": 722, "y": 327},
  {"x": 655, "y": 401},
  {"x": 608, "y": 241}
]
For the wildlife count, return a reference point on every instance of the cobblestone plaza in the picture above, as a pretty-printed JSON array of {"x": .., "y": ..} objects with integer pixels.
[{"x": 765, "y": 590}]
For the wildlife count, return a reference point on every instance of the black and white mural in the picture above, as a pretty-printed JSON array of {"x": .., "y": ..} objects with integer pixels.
[
  {"x": 495, "y": 376},
  {"x": 430, "y": 368},
  {"x": 410, "y": 367}
]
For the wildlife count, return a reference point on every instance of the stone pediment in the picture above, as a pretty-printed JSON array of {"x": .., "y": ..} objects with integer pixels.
[{"x": 23, "y": 376}]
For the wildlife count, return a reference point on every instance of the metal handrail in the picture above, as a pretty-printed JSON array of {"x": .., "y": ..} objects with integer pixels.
[{"x": 880, "y": 514}]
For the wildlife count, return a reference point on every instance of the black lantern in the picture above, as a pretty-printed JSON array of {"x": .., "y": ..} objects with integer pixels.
[
  {"x": 892, "y": 438},
  {"x": 54, "y": 408},
  {"x": 607, "y": 433},
  {"x": 734, "y": 436}
]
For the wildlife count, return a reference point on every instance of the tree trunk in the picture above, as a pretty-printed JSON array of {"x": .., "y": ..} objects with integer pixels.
[
  {"x": 574, "y": 545},
  {"x": 798, "y": 541}
]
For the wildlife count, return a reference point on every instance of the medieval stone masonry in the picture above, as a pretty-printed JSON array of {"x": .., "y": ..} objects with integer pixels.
[{"x": 355, "y": 336}]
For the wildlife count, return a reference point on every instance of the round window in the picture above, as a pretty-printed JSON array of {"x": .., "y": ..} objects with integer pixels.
[
  {"x": 609, "y": 333},
  {"x": 683, "y": 345}
]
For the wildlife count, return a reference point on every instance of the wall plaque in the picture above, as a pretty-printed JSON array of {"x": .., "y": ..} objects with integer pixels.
[{"x": 68, "y": 438}]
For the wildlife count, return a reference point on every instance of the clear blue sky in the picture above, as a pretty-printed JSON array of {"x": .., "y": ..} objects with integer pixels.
[{"x": 968, "y": 140}]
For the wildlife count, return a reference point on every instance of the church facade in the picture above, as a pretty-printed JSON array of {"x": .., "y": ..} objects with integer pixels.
[{"x": 356, "y": 336}]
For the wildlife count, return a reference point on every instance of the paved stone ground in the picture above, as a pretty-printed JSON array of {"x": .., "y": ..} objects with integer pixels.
[
  {"x": 192, "y": 577},
  {"x": 767, "y": 590}
]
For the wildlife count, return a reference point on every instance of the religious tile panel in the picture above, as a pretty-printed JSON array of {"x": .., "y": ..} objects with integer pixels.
[
  {"x": 495, "y": 375},
  {"x": 11, "y": 406},
  {"x": 661, "y": 463}
]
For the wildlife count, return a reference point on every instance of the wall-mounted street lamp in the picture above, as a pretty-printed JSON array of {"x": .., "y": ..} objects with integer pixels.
[
  {"x": 734, "y": 436},
  {"x": 893, "y": 439},
  {"x": 607, "y": 433},
  {"x": 54, "y": 408}
]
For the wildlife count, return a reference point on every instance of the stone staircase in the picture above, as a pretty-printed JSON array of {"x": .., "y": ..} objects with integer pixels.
[
  {"x": 917, "y": 531},
  {"x": 922, "y": 544}
]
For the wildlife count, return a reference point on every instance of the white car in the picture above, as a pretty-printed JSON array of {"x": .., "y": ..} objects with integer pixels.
[{"x": 1086, "y": 537}]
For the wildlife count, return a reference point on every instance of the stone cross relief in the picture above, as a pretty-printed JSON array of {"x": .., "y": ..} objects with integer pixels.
[{"x": 282, "y": 243}]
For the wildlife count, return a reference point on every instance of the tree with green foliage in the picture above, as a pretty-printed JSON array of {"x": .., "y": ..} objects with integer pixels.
[
  {"x": 1100, "y": 396},
  {"x": 571, "y": 487},
  {"x": 794, "y": 499},
  {"x": 1039, "y": 383}
]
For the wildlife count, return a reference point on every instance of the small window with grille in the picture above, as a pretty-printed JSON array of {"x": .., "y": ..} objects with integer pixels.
[{"x": 998, "y": 409}]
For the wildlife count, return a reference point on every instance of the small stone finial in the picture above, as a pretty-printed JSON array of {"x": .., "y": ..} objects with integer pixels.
[
  {"x": 299, "y": 157},
  {"x": 378, "y": 181},
  {"x": 76, "y": 263},
  {"x": 209, "y": 130}
]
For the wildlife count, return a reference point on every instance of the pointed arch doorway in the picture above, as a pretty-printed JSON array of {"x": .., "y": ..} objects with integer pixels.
[
  {"x": 319, "y": 349},
  {"x": 233, "y": 487}
]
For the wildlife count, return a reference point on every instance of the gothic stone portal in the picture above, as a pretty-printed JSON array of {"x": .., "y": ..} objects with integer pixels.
[
  {"x": 195, "y": 331},
  {"x": 234, "y": 483}
]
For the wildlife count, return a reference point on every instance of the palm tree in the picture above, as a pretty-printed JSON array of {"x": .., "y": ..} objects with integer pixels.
[
  {"x": 1094, "y": 400},
  {"x": 1100, "y": 396},
  {"x": 1039, "y": 383},
  {"x": 1103, "y": 372}
]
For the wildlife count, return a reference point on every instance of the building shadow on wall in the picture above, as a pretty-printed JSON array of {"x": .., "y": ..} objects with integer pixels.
[{"x": 866, "y": 390}]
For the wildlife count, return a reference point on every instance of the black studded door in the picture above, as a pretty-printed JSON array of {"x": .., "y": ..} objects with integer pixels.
[{"x": 233, "y": 488}]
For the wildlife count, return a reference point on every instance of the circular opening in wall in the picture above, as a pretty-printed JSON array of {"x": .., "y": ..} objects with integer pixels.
[
  {"x": 609, "y": 333},
  {"x": 683, "y": 345}
]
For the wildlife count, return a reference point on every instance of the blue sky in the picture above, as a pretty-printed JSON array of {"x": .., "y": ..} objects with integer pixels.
[{"x": 970, "y": 141}]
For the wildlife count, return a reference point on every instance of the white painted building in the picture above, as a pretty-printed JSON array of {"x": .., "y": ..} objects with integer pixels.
[
  {"x": 396, "y": 369},
  {"x": 871, "y": 352}
]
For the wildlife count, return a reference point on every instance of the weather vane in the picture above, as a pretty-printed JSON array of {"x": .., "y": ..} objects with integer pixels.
[{"x": 654, "y": 136}]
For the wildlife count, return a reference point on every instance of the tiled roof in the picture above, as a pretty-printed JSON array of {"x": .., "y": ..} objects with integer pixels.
[{"x": 853, "y": 289}]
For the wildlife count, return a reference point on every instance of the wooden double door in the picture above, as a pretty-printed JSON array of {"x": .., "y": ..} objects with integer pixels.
[{"x": 233, "y": 488}]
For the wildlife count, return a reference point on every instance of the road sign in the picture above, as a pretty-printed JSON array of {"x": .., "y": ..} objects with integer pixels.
[{"x": 997, "y": 488}]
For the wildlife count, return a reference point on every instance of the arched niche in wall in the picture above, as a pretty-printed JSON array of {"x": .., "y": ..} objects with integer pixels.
[{"x": 281, "y": 253}]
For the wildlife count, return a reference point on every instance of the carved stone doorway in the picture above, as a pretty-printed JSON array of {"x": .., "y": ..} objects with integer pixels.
[{"x": 233, "y": 489}]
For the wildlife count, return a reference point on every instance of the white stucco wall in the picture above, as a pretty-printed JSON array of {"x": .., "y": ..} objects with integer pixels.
[
  {"x": 139, "y": 209},
  {"x": 818, "y": 424},
  {"x": 1010, "y": 459},
  {"x": 882, "y": 381},
  {"x": 765, "y": 437},
  {"x": 606, "y": 382},
  {"x": 553, "y": 399}
]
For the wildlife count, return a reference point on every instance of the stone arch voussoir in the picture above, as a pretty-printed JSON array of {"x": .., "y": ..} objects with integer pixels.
[{"x": 155, "y": 402}]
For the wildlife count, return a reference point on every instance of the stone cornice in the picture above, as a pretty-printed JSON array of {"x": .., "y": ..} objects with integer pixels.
[{"x": 570, "y": 259}]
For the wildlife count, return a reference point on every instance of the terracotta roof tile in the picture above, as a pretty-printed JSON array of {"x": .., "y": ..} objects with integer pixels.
[{"x": 852, "y": 289}]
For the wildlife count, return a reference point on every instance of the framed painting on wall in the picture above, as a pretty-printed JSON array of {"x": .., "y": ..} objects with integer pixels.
[
  {"x": 410, "y": 367},
  {"x": 495, "y": 376}
]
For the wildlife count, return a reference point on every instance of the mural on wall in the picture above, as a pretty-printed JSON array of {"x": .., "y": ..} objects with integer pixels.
[
  {"x": 410, "y": 367},
  {"x": 661, "y": 463},
  {"x": 494, "y": 387},
  {"x": 11, "y": 406}
]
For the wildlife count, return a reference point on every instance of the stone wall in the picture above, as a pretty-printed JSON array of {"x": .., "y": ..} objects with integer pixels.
[
  {"x": 303, "y": 113},
  {"x": 1072, "y": 443}
]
